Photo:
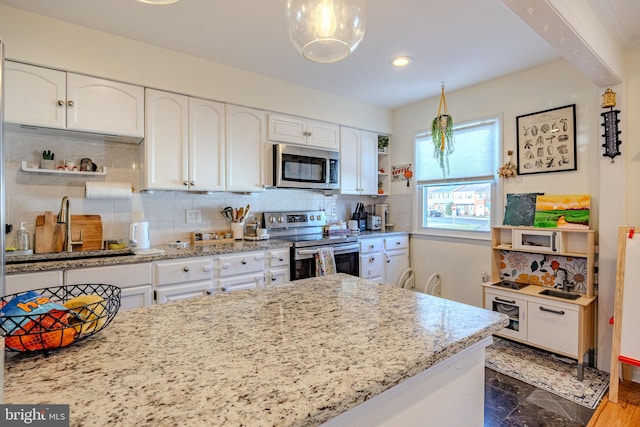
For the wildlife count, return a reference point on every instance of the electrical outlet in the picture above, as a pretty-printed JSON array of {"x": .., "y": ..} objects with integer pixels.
[
  {"x": 334, "y": 210},
  {"x": 194, "y": 216}
]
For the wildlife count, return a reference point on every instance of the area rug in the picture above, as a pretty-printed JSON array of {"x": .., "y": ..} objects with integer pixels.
[{"x": 549, "y": 372}]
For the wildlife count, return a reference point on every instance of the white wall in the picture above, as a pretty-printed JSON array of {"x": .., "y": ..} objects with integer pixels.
[{"x": 460, "y": 262}]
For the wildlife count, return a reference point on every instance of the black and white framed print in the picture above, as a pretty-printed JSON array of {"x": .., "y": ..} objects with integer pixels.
[{"x": 547, "y": 141}]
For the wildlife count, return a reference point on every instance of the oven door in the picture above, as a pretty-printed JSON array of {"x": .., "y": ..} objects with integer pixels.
[{"x": 303, "y": 260}]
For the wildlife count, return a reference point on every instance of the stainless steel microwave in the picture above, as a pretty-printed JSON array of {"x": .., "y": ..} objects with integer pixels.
[{"x": 302, "y": 167}]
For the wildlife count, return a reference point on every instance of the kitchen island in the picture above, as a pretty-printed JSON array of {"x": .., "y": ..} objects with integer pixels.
[{"x": 298, "y": 354}]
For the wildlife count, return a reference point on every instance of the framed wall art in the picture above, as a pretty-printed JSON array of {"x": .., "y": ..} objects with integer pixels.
[{"x": 547, "y": 141}]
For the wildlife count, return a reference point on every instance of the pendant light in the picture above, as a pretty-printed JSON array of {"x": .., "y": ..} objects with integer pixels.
[{"x": 326, "y": 31}]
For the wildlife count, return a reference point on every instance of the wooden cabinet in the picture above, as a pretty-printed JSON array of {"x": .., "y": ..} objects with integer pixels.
[
  {"x": 396, "y": 257},
  {"x": 133, "y": 279},
  {"x": 278, "y": 268},
  {"x": 184, "y": 147},
  {"x": 241, "y": 271},
  {"x": 358, "y": 162},
  {"x": 184, "y": 278},
  {"x": 301, "y": 131},
  {"x": 39, "y": 96},
  {"x": 246, "y": 134},
  {"x": 371, "y": 260}
]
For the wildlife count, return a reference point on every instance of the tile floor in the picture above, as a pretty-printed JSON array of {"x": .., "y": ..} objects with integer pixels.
[{"x": 510, "y": 402}]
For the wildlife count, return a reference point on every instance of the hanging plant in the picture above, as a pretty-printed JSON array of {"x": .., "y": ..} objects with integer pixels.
[{"x": 442, "y": 134}]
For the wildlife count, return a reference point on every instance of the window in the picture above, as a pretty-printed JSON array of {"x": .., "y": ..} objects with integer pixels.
[{"x": 460, "y": 203}]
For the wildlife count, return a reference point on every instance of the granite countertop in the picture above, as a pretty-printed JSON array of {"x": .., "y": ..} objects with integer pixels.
[
  {"x": 112, "y": 257},
  {"x": 297, "y": 354}
]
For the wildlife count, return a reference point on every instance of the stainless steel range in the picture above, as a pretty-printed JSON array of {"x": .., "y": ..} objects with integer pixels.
[{"x": 305, "y": 230}]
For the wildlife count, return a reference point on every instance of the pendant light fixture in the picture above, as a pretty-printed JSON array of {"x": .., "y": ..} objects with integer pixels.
[{"x": 326, "y": 31}]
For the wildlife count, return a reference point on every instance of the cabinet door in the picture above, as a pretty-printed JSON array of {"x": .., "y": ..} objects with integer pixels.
[
  {"x": 206, "y": 145},
  {"x": 349, "y": 161},
  {"x": 395, "y": 263},
  {"x": 323, "y": 135},
  {"x": 35, "y": 95},
  {"x": 183, "y": 291},
  {"x": 372, "y": 267},
  {"x": 246, "y": 133},
  {"x": 368, "y": 163},
  {"x": 278, "y": 276},
  {"x": 136, "y": 296},
  {"x": 563, "y": 322},
  {"x": 166, "y": 142},
  {"x": 515, "y": 308},
  {"x": 104, "y": 106},
  {"x": 368, "y": 246},
  {"x": 286, "y": 129},
  {"x": 22, "y": 282}
]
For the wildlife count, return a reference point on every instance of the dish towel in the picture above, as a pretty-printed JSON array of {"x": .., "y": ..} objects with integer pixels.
[{"x": 325, "y": 262}]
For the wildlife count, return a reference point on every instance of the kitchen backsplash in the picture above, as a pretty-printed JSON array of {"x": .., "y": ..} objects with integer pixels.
[{"x": 30, "y": 194}]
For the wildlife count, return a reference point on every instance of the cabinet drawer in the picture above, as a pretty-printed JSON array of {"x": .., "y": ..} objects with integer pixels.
[
  {"x": 371, "y": 266},
  {"x": 278, "y": 258},
  {"x": 398, "y": 242},
  {"x": 183, "y": 291},
  {"x": 555, "y": 328},
  {"x": 123, "y": 276},
  {"x": 24, "y": 282},
  {"x": 247, "y": 281},
  {"x": 370, "y": 245},
  {"x": 247, "y": 262},
  {"x": 182, "y": 270}
]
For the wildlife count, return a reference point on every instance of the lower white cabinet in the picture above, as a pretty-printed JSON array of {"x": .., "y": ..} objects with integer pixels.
[
  {"x": 562, "y": 320},
  {"x": 245, "y": 270},
  {"x": 371, "y": 260},
  {"x": 396, "y": 257},
  {"x": 515, "y": 308},
  {"x": 133, "y": 279},
  {"x": 278, "y": 268},
  {"x": 22, "y": 282},
  {"x": 183, "y": 278}
]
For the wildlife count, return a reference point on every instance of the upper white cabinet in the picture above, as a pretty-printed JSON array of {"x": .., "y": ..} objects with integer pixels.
[
  {"x": 39, "y": 96},
  {"x": 358, "y": 162},
  {"x": 298, "y": 130},
  {"x": 246, "y": 134},
  {"x": 184, "y": 147}
]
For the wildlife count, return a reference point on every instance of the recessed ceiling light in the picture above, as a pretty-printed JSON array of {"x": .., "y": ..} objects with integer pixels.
[
  {"x": 158, "y": 1},
  {"x": 401, "y": 61}
]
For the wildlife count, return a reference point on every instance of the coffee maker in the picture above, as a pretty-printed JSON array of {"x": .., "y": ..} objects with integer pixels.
[{"x": 382, "y": 210}]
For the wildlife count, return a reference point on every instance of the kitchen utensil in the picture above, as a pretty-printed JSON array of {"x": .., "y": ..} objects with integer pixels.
[
  {"x": 49, "y": 235},
  {"x": 246, "y": 213},
  {"x": 139, "y": 235},
  {"x": 227, "y": 213},
  {"x": 240, "y": 214}
]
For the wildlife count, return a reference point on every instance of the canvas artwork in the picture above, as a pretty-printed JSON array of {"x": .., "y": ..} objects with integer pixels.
[
  {"x": 563, "y": 211},
  {"x": 520, "y": 209}
]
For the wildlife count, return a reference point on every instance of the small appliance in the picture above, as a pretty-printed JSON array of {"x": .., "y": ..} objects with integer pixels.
[
  {"x": 139, "y": 235},
  {"x": 382, "y": 210},
  {"x": 302, "y": 167},
  {"x": 374, "y": 223}
]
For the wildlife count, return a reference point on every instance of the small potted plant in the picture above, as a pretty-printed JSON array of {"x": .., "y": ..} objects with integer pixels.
[
  {"x": 383, "y": 143},
  {"x": 47, "y": 160}
]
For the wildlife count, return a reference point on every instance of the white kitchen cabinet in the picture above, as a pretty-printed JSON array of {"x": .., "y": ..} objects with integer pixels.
[
  {"x": 371, "y": 259},
  {"x": 22, "y": 282},
  {"x": 39, "y": 96},
  {"x": 133, "y": 279},
  {"x": 358, "y": 162},
  {"x": 396, "y": 257},
  {"x": 183, "y": 278},
  {"x": 245, "y": 270},
  {"x": 246, "y": 135},
  {"x": 560, "y": 318},
  {"x": 184, "y": 147},
  {"x": 302, "y": 131},
  {"x": 278, "y": 268},
  {"x": 516, "y": 308}
]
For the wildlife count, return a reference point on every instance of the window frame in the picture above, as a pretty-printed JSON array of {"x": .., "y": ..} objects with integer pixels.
[{"x": 421, "y": 205}]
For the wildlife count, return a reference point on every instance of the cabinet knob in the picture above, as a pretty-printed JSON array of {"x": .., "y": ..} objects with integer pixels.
[
  {"x": 372, "y": 259},
  {"x": 186, "y": 268},
  {"x": 281, "y": 259},
  {"x": 71, "y": 103},
  {"x": 60, "y": 103},
  {"x": 192, "y": 183},
  {"x": 209, "y": 292},
  {"x": 243, "y": 262},
  {"x": 185, "y": 183},
  {"x": 274, "y": 278},
  {"x": 206, "y": 268},
  {"x": 397, "y": 243}
]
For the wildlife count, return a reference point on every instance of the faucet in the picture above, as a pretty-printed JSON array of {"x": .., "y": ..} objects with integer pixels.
[
  {"x": 64, "y": 217},
  {"x": 565, "y": 280}
]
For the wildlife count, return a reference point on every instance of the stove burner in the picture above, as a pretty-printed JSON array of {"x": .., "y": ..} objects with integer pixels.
[{"x": 511, "y": 285}]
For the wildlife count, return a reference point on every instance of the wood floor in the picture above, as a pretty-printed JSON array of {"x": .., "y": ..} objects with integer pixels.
[{"x": 625, "y": 413}]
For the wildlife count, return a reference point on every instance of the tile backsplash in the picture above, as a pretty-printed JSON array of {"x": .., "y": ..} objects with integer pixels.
[{"x": 29, "y": 194}]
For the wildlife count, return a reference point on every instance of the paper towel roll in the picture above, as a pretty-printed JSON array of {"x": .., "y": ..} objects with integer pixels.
[{"x": 108, "y": 190}]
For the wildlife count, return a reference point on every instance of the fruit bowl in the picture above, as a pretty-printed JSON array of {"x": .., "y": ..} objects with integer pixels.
[{"x": 80, "y": 311}]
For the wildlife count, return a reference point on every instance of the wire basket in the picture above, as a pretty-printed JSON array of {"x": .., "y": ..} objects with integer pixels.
[{"x": 89, "y": 309}]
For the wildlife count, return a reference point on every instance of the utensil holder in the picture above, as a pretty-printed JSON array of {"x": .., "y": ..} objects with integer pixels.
[{"x": 237, "y": 228}]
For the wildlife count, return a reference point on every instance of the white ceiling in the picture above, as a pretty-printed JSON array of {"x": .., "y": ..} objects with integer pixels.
[{"x": 458, "y": 42}]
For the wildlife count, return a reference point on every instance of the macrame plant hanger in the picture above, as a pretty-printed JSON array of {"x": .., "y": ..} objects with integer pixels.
[{"x": 442, "y": 134}]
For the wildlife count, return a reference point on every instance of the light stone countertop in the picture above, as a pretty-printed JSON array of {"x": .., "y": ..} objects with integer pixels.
[{"x": 297, "y": 354}]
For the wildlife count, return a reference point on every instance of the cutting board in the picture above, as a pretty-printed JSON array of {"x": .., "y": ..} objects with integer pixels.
[{"x": 50, "y": 235}]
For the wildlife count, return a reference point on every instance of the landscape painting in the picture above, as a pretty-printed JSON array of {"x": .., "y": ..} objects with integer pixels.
[{"x": 563, "y": 211}]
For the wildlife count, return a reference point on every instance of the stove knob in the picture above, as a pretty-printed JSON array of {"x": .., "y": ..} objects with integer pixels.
[
  {"x": 319, "y": 217},
  {"x": 279, "y": 218},
  {"x": 272, "y": 219}
]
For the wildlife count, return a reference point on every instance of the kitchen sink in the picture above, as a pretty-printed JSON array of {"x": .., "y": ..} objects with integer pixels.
[
  {"x": 559, "y": 294},
  {"x": 65, "y": 256}
]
